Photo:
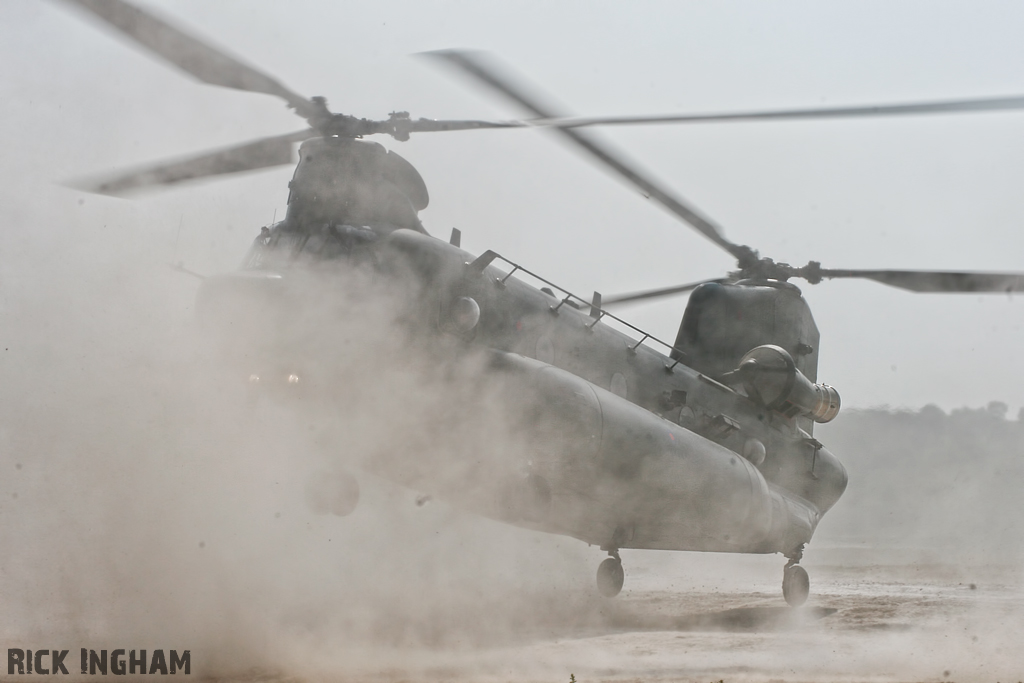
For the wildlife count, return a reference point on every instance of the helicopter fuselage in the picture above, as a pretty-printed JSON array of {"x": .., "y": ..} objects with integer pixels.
[{"x": 628, "y": 447}]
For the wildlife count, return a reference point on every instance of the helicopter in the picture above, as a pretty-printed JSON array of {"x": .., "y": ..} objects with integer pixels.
[{"x": 704, "y": 443}]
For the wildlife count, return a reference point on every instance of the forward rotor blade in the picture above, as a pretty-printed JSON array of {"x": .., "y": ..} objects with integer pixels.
[
  {"x": 656, "y": 293},
  {"x": 936, "y": 281},
  {"x": 480, "y": 68},
  {"x": 250, "y": 156},
  {"x": 941, "y": 107},
  {"x": 207, "y": 63}
]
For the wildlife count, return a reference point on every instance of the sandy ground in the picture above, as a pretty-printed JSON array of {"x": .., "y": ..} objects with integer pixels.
[{"x": 694, "y": 617}]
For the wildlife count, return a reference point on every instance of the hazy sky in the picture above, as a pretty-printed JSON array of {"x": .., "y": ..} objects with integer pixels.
[{"x": 940, "y": 192}]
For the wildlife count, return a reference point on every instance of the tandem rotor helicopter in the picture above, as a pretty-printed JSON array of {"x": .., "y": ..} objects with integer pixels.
[{"x": 704, "y": 443}]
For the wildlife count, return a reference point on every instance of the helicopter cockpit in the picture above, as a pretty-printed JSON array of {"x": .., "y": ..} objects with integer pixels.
[
  {"x": 279, "y": 246},
  {"x": 345, "y": 194}
]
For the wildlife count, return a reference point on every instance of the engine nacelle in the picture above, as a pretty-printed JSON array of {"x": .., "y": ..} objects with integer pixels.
[{"x": 770, "y": 375}]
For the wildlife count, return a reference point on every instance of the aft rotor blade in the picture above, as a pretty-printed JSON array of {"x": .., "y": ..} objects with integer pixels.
[
  {"x": 480, "y": 68},
  {"x": 657, "y": 293},
  {"x": 205, "y": 62},
  {"x": 250, "y": 156},
  {"x": 990, "y": 104},
  {"x": 435, "y": 125},
  {"x": 936, "y": 281}
]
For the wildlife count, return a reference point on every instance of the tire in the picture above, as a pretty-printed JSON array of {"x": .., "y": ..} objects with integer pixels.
[
  {"x": 610, "y": 577},
  {"x": 796, "y": 585}
]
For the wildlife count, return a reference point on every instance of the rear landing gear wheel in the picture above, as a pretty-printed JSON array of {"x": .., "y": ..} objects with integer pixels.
[
  {"x": 610, "y": 577},
  {"x": 796, "y": 585}
]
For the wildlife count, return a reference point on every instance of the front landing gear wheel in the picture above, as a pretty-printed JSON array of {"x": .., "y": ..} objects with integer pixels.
[
  {"x": 610, "y": 577},
  {"x": 796, "y": 585}
]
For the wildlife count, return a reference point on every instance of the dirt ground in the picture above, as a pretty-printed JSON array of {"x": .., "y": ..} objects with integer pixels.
[{"x": 874, "y": 615}]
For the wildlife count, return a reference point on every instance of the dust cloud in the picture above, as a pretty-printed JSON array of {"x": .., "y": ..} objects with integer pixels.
[
  {"x": 942, "y": 486},
  {"x": 153, "y": 498}
]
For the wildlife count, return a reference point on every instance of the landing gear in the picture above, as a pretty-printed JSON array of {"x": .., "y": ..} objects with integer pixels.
[
  {"x": 796, "y": 585},
  {"x": 610, "y": 575}
]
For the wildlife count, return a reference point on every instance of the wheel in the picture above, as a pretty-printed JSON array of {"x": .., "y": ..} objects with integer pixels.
[
  {"x": 796, "y": 585},
  {"x": 610, "y": 577}
]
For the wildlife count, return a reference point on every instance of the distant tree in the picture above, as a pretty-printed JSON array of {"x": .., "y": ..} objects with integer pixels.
[
  {"x": 998, "y": 409},
  {"x": 929, "y": 479}
]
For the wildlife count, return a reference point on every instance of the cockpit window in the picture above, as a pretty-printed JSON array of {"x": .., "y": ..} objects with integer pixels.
[{"x": 279, "y": 247}]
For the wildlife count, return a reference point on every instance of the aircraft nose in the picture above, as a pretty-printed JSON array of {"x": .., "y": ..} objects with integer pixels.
[{"x": 238, "y": 303}]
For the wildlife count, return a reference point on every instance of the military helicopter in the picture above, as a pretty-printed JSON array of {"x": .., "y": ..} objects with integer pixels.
[{"x": 703, "y": 444}]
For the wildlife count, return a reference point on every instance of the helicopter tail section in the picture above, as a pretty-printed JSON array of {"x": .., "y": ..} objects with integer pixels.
[{"x": 610, "y": 473}]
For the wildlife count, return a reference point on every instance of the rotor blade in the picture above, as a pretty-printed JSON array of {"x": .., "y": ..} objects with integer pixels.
[
  {"x": 434, "y": 125},
  {"x": 188, "y": 53},
  {"x": 477, "y": 66},
  {"x": 940, "y": 107},
  {"x": 656, "y": 293},
  {"x": 947, "y": 106},
  {"x": 936, "y": 281},
  {"x": 250, "y": 156}
]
